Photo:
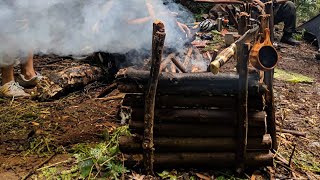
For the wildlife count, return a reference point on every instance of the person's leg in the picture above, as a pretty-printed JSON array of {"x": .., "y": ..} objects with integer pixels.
[
  {"x": 7, "y": 74},
  {"x": 28, "y": 77},
  {"x": 27, "y": 68},
  {"x": 287, "y": 13},
  {"x": 9, "y": 87}
]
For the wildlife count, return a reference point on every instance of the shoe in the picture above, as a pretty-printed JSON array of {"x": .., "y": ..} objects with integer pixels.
[
  {"x": 29, "y": 83},
  {"x": 288, "y": 39},
  {"x": 13, "y": 89}
]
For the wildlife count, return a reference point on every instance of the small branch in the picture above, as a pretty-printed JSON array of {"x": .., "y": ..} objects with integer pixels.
[
  {"x": 294, "y": 148},
  {"x": 166, "y": 61},
  {"x": 107, "y": 90},
  {"x": 179, "y": 64},
  {"x": 293, "y": 132},
  {"x": 120, "y": 96},
  {"x": 38, "y": 166}
]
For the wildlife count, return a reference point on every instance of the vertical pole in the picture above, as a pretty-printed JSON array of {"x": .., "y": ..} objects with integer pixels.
[
  {"x": 242, "y": 58},
  {"x": 268, "y": 80},
  {"x": 158, "y": 37}
]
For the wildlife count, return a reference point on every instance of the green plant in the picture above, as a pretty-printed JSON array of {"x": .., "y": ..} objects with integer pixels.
[{"x": 102, "y": 160}]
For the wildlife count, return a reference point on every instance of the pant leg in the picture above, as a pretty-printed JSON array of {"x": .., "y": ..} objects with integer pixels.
[{"x": 286, "y": 13}]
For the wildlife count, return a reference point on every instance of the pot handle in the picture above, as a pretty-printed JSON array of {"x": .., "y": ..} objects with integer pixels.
[{"x": 267, "y": 40}]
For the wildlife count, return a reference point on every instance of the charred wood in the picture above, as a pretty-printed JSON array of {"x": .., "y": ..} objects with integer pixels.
[
  {"x": 172, "y": 144},
  {"x": 196, "y": 116},
  {"x": 164, "y": 160},
  {"x": 169, "y": 101},
  {"x": 192, "y": 130},
  {"x": 134, "y": 81}
]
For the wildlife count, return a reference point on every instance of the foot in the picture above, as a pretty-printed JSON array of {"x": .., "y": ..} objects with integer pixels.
[
  {"x": 13, "y": 89},
  {"x": 290, "y": 40},
  {"x": 31, "y": 82}
]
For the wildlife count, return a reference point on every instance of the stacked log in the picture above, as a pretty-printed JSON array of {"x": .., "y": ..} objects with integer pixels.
[{"x": 195, "y": 119}]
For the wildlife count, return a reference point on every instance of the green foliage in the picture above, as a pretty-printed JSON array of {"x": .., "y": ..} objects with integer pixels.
[
  {"x": 168, "y": 175},
  {"x": 100, "y": 161},
  {"x": 307, "y": 9}
]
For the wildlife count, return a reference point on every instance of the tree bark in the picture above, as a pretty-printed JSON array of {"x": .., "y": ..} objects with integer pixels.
[
  {"x": 162, "y": 160},
  {"x": 158, "y": 38},
  {"x": 174, "y": 101},
  {"x": 173, "y": 144}
]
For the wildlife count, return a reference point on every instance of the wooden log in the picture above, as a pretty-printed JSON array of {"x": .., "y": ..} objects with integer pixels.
[
  {"x": 158, "y": 37},
  {"x": 172, "y": 144},
  {"x": 60, "y": 83},
  {"x": 187, "y": 59},
  {"x": 192, "y": 130},
  {"x": 134, "y": 81},
  {"x": 169, "y": 101},
  {"x": 179, "y": 64},
  {"x": 243, "y": 23},
  {"x": 242, "y": 59},
  {"x": 268, "y": 80},
  {"x": 204, "y": 116},
  {"x": 206, "y": 160},
  {"x": 165, "y": 63}
]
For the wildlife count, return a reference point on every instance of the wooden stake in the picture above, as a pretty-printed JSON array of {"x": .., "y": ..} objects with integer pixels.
[
  {"x": 158, "y": 38},
  {"x": 242, "y": 56}
]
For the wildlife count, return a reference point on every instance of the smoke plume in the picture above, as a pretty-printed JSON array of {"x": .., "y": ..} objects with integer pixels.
[{"x": 79, "y": 27}]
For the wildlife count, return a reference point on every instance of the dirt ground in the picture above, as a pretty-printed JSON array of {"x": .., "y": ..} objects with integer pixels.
[{"x": 32, "y": 131}]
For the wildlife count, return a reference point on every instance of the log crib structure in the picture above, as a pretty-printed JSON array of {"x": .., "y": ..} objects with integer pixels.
[{"x": 197, "y": 119}]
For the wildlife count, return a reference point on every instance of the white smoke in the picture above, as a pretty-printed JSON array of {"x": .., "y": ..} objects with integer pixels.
[{"x": 77, "y": 27}]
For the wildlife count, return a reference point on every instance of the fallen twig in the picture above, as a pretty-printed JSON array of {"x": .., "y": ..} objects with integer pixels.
[
  {"x": 38, "y": 166},
  {"x": 291, "y": 155},
  {"x": 120, "y": 96},
  {"x": 107, "y": 90},
  {"x": 293, "y": 132}
]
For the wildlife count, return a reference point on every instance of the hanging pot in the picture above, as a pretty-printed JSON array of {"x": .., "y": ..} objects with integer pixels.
[{"x": 264, "y": 56}]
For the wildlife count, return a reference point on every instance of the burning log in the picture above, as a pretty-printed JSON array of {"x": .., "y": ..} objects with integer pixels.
[
  {"x": 158, "y": 37},
  {"x": 213, "y": 116},
  {"x": 187, "y": 58},
  {"x": 134, "y": 81},
  {"x": 166, "y": 144},
  {"x": 194, "y": 130},
  {"x": 179, "y": 64},
  {"x": 171, "y": 101},
  {"x": 166, "y": 61},
  {"x": 202, "y": 159}
]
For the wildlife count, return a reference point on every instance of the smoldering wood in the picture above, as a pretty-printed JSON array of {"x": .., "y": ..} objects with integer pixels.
[
  {"x": 179, "y": 64},
  {"x": 187, "y": 59},
  {"x": 130, "y": 144},
  {"x": 165, "y": 62},
  {"x": 158, "y": 37},
  {"x": 134, "y": 81},
  {"x": 196, "y": 116},
  {"x": 218, "y": 159},
  {"x": 169, "y": 101},
  {"x": 192, "y": 130}
]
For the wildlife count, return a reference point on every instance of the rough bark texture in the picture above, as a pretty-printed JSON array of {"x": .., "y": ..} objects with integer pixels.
[
  {"x": 268, "y": 80},
  {"x": 208, "y": 160},
  {"x": 219, "y": 144},
  {"x": 158, "y": 38},
  {"x": 134, "y": 81},
  {"x": 243, "y": 53},
  {"x": 174, "y": 101}
]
